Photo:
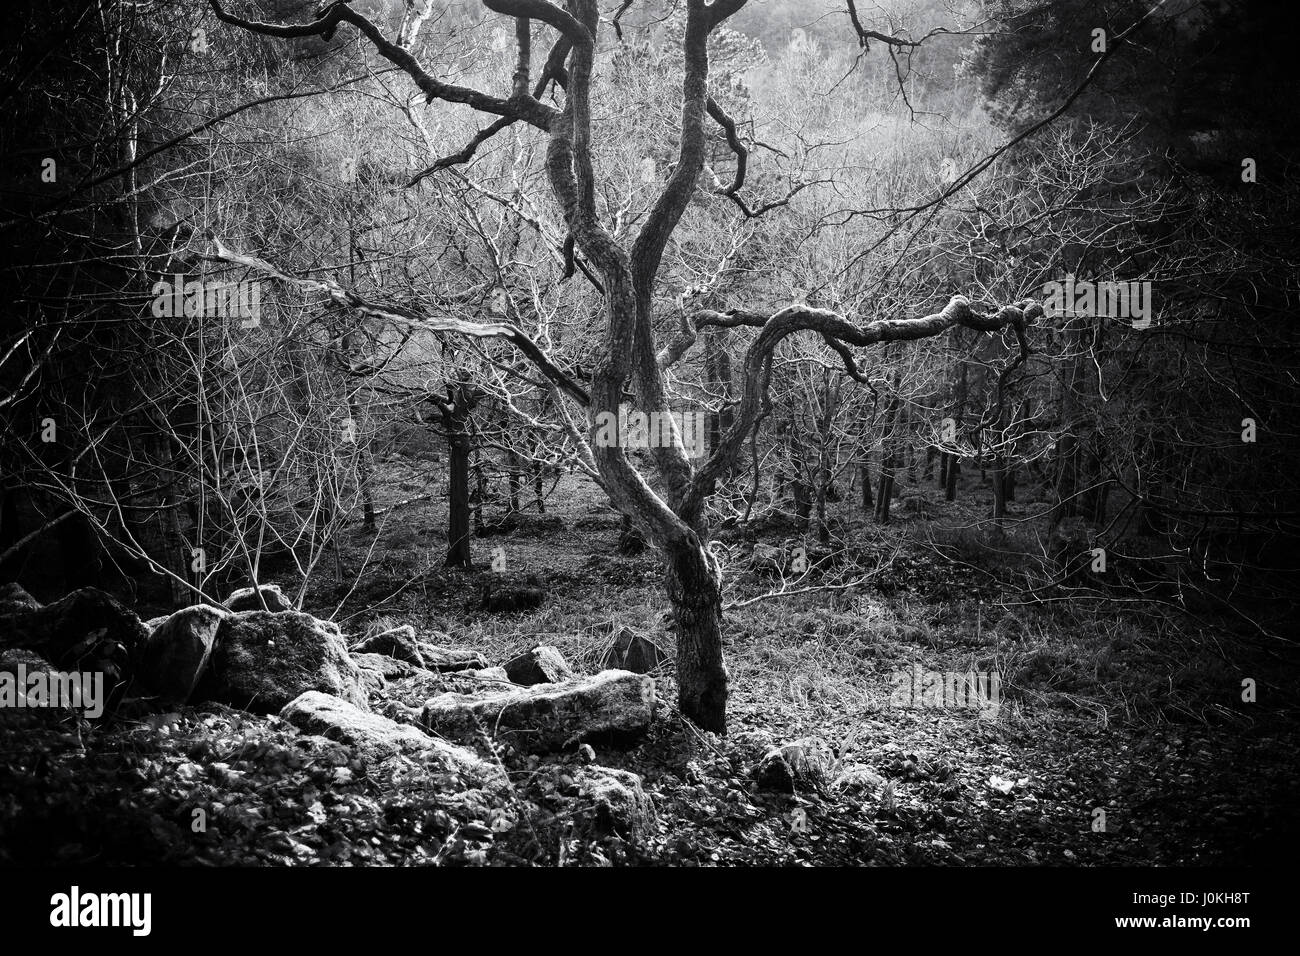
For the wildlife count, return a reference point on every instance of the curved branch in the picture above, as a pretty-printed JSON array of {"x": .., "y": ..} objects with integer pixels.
[
  {"x": 402, "y": 315},
  {"x": 548, "y": 13},
  {"x": 519, "y": 107},
  {"x": 834, "y": 328}
]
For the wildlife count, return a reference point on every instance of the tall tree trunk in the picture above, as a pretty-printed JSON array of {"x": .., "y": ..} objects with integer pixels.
[
  {"x": 884, "y": 494},
  {"x": 830, "y": 400},
  {"x": 999, "y": 491},
  {"x": 889, "y": 456},
  {"x": 365, "y": 471},
  {"x": 455, "y": 420},
  {"x": 909, "y": 449},
  {"x": 458, "y": 451},
  {"x": 999, "y": 453},
  {"x": 1067, "y": 448},
  {"x": 959, "y": 409},
  {"x": 695, "y": 592},
  {"x": 803, "y": 502},
  {"x": 514, "y": 480},
  {"x": 1099, "y": 508},
  {"x": 537, "y": 487},
  {"x": 823, "y": 531},
  {"x": 480, "y": 485}
]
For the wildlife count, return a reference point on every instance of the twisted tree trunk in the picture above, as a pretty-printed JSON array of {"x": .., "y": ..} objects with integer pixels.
[
  {"x": 670, "y": 517},
  {"x": 694, "y": 589}
]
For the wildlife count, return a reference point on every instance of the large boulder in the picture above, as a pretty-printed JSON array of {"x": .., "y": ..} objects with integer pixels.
[
  {"x": 172, "y": 657},
  {"x": 620, "y": 805},
  {"x": 542, "y": 665},
  {"x": 632, "y": 652},
  {"x": 262, "y": 661},
  {"x": 87, "y": 630},
  {"x": 376, "y": 739},
  {"x": 14, "y": 599},
  {"x": 247, "y": 599},
  {"x": 613, "y": 707},
  {"x": 401, "y": 643}
]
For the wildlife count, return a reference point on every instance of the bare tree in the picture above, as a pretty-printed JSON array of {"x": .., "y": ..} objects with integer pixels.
[{"x": 670, "y": 516}]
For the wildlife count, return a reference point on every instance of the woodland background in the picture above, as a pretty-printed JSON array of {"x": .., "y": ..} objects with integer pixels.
[{"x": 938, "y": 502}]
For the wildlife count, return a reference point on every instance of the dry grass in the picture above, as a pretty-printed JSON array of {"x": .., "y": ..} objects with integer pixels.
[{"x": 807, "y": 662}]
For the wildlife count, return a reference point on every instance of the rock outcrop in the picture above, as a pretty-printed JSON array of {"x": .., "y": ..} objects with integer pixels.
[
  {"x": 632, "y": 652},
  {"x": 87, "y": 630},
  {"x": 262, "y": 661},
  {"x": 614, "y": 707},
  {"x": 402, "y": 643},
  {"x": 542, "y": 665},
  {"x": 173, "y": 656},
  {"x": 376, "y": 739},
  {"x": 247, "y": 599}
]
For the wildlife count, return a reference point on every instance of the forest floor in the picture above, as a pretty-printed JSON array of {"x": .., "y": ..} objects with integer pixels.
[{"x": 1121, "y": 735}]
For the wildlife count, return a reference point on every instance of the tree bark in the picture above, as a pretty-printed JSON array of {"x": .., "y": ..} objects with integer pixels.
[
  {"x": 695, "y": 592},
  {"x": 455, "y": 419},
  {"x": 458, "y": 551}
]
